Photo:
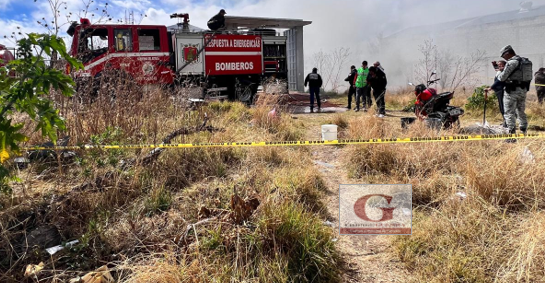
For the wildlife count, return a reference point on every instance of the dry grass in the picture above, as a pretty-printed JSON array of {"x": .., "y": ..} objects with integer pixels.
[
  {"x": 483, "y": 237},
  {"x": 136, "y": 220}
]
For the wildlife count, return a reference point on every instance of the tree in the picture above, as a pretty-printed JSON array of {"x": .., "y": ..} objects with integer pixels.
[
  {"x": 331, "y": 65},
  {"x": 25, "y": 93},
  {"x": 453, "y": 70}
]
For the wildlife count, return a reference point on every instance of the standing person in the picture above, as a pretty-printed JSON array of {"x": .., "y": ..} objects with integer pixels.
[
  {"x": 352, "y": 88},
  {"x": 377, "y": 65},
  {"x": 377, "y": 81},
  {"x": 540, "y": 85},
  {"x": 499, "y": 88},
  {"x": 516, "y": 89},
  {"x": 362, "y": 89},
  {"x": 314, "y": 80}
]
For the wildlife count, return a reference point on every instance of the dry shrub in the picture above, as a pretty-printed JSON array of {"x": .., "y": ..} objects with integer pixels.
[
  {"x": 297, "y": 238},
  {"x": 505, "y": 180},
  {"x": 398, "y": 99},
  {"x": 159, "y": 269},
  {"x": 303, "y": 185},
  {"x": 521, "y": 253},
  {"x": 536, "y": 113},
  {"x": 452, "y": 245},
  {"x": 340, "y": 120},
  {"x": 282, "y": 126}
]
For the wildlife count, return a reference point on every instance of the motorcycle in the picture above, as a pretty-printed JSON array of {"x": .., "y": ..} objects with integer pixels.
[{"x": 434, "y": 108}]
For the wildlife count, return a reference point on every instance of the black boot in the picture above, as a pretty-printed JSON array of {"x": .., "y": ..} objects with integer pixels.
[
  {"x": 511, "y": 132},
  {"x": 523, "y": 130}
]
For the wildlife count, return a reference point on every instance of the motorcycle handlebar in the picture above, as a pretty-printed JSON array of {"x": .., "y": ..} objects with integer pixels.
[{"x": 434, "y": 81}]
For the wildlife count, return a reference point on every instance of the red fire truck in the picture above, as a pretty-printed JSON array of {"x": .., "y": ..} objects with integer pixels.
[
  {"x": 240, "y": 57},
  {"x": 5, "y": 55}
]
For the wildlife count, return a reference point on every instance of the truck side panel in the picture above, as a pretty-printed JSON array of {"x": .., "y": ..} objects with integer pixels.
[
  {"x": 187, "y": 46},
  {"x": 234, "y": 55}
]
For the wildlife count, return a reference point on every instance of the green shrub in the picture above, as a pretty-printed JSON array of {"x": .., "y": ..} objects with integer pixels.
[{"x": 477, "y": 100}]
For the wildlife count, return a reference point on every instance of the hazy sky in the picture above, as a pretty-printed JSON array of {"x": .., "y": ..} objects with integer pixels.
[{"x": 342, "y": 23}]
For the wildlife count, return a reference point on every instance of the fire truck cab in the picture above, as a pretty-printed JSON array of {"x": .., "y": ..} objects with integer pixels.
[
  {"x": 246, "y": 53},
  {"x": 5, "y": 55}
]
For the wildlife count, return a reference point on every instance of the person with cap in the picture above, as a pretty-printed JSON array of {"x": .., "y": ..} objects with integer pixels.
[
  {"x": 217, "y": 21},
  {"x": 363, "y": 92},
  {"x": 514, "y": 100},
  {"x": 539, "y": 77},
  {"x": 377, "y": 65},
  {"x": 314, "y": 81},
  {"x": 352, "y": 88}
]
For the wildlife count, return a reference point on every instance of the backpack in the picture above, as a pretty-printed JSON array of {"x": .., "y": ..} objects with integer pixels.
[{"x": 525, "y": 66}]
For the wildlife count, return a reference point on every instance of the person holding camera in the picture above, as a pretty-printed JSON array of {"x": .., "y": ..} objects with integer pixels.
[{"x": 499, "y": 88}]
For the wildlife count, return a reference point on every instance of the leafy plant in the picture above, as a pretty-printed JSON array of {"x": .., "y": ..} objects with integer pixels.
[
  {"x": 477, "y": 100},
  {"x": 410, "y": 107},
  {"x": 26, "y": 93}
]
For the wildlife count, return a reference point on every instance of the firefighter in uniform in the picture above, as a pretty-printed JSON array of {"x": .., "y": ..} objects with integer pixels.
[
  {"x": 314, "y": 80},
  {"x": 515, "y": 90},
  {"x": 217, "y": 21}
]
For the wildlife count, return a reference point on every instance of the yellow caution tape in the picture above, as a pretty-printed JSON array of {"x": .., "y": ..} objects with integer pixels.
[
  {"x": 539, "y": 85},
  {"x": 301, "y": 143}
]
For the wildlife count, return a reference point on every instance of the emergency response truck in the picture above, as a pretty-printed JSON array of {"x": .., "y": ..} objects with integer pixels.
[{"x": 232, "y": 62}]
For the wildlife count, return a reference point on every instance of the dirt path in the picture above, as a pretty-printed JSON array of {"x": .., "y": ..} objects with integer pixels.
[{"x": 367, "y": 257}]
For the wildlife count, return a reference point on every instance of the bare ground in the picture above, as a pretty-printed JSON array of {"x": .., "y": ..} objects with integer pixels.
[{"x": 367, "y": 258}]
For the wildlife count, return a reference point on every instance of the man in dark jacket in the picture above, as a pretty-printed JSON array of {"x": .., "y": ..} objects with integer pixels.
[
  {"x": 352, "y": 88},
  {"x": 499, "y": 89},
  {"x": 377, "y": 81},
  {"x": 217, "y": 21},
  {"x": 314, "y": 80},
  {"x": 540, "y": 85}
]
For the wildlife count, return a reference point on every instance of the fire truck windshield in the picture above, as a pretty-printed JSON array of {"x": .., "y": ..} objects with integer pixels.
[{"x": 92, "y": 44}]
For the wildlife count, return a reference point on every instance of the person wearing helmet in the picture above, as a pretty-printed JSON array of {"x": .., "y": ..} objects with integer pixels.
[
  {"x": 314, "y": 81},
  {"x": 514, "y": 99},
  {"x": 423, "y": 96},
  {"x": 217, "y": 21}
]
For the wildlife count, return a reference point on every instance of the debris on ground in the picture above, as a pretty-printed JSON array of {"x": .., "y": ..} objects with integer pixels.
[
  {"x": 273, "y": 114},
  {"x": 461, "y": 195},
  {"x": 101, "y": 275},
  {"x": 242, "y": 209},
  {"x": 58, "y": 248},
  {"x": 486, "y": 129},
  {"x": 33, "y": 269},
  {"x": 329, "y": 223},
  {"x": 527, "y": 157},
  {"x": 324, "y": 164},
  {"x": 43, "y": 237}
]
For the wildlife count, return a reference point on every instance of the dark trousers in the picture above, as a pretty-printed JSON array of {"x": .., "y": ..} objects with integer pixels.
[
  {"x": 351, "y": 93},
  {"x": 315, "y": 91},
  {"x": 379, "y": 100},
  {"x": 363, "y": 95},
  {"x": 367, "y": 97},
  {"x": 541, "y": 94},
  {"x": 499, "y": 94}
]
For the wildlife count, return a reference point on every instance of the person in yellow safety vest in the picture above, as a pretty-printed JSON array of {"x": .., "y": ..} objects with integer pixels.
[{"x": 363, "y": 92}]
